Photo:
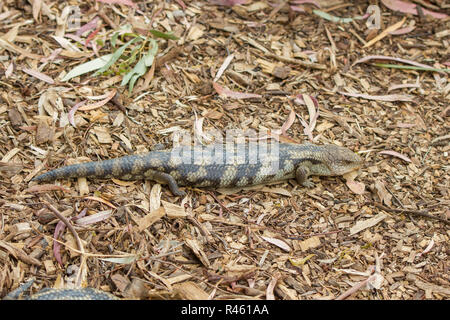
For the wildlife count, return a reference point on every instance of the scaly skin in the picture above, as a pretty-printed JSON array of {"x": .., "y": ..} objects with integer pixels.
[
  {"x": 219, "y": 167},
  {"x": 59, "y": 294}
]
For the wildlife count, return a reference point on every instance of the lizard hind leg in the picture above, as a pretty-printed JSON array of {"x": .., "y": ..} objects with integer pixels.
[
  {"x": 165, "y": 178},
  {"x": 302, "y": 176}
]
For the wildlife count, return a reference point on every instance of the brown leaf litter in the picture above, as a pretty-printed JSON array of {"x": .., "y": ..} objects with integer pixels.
[{"x": 249, "y": 66}]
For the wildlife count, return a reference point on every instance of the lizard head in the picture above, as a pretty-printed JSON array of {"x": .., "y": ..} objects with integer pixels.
[{"x": 341, "y": 160}]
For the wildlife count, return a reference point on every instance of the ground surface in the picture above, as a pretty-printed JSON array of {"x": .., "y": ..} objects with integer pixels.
[{"x": 283, "y": 241}]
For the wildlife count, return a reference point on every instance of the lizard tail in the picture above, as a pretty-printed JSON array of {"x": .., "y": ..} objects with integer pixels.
[
  {"x": 98, "y": 169},
  {"x": 72, "y": 171}
]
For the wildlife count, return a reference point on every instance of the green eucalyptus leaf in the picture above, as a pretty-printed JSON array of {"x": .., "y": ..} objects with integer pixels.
[
  {"x": 163, "y": 35},
  {"x": 114, "y": 39},
  {"x": 116, "y": 55},
  {"x": 141, "y": 67},
  {"x": 87, "y": 67}
]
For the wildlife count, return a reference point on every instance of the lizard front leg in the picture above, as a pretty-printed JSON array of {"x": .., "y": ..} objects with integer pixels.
[{"x": 302, "y": 175}]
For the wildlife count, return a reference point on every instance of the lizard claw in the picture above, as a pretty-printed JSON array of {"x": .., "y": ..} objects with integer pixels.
[{"x": 308, "y": 183}]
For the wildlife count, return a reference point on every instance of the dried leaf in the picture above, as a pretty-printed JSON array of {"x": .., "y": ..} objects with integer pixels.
[
  {"x": 411, "y": 8},
  {"x": 97, "y": 217},
  {"x": 99, "y": 104},
  {"x": 271, "y": 286},
  {"x": 39, "y": 75},
  {"x": 223, "y": 67},
  {"x": 279, "y": 243},
  {"x": 224, "y": 92},
  {"x": 395, "y": 154}
]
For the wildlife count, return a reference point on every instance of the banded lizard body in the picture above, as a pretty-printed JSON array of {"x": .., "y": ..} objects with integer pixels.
[{"x": 218, "y": 167}]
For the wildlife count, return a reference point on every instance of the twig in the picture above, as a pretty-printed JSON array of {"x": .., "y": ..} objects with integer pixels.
[
  {"x": 203, "y": 231},
  {"x": 67, "y": 223},
  {"x": 81, "y": 270},
  {"x": 115, "y": 101},
  {"x": 420, "y": 213},
  {"x": 297, "y": 61}
]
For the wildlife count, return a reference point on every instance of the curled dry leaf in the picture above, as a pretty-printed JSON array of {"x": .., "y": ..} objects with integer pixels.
[
  {"x": 411, "y": 8},
  {"x": 335, "y": 19},
  {"x": 72, "y": 111},
  {"x": 354, "y": 186},
  {"x": 190, "y": 290},
  {"x": 395, "y": 154},
  {"x": 271, "y": 286},
  {"x": 96, "y": 105},
  {"x": 16, "y": 49},
  {"x": 356, "y": 287},
  {"x": 288, "y": 123},
  {"x": 9, "y": 70}
]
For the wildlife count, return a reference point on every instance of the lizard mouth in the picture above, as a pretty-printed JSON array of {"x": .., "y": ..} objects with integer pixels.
[{"x": 346, "y": 166}]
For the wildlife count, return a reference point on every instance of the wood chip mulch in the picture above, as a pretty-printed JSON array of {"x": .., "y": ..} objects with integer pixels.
[{"x": 282, "y": 241}]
